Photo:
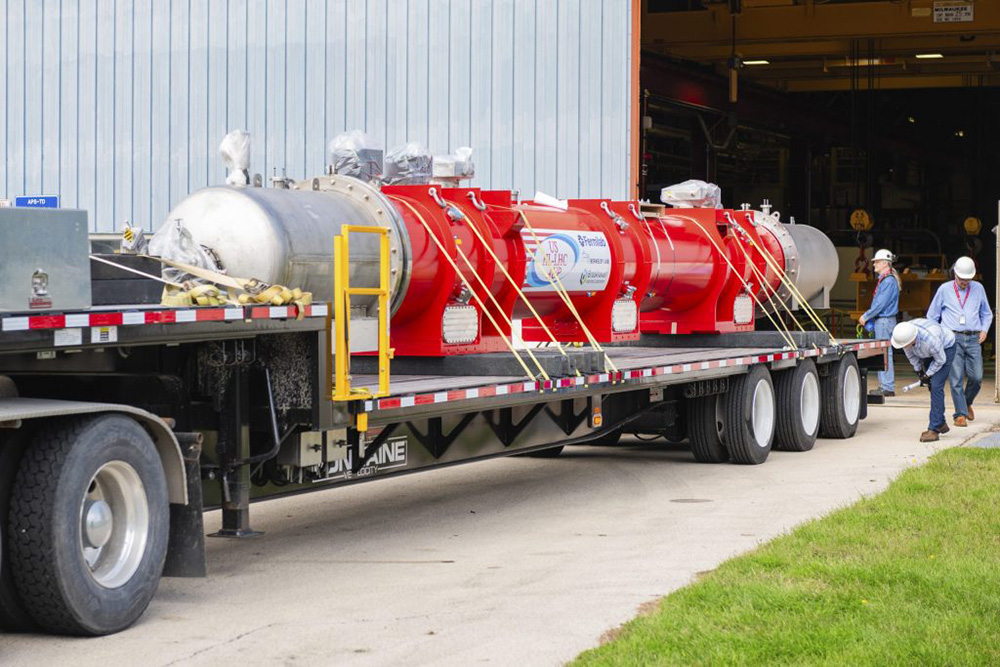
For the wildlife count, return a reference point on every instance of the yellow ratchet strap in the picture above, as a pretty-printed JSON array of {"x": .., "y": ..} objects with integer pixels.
[
  {"x": 784, "y": 334},
  {"x": 468, "y": 285},
  {"x": 564, "y": 295},
  {"x": 513, "y": 284}
]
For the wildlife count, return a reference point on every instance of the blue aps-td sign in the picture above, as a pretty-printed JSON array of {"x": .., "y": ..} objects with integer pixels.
[{"x": 37, "y": 201}]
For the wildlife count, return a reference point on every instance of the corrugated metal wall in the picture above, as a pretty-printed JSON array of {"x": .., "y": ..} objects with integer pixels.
[{"x": 118, "y": 106}]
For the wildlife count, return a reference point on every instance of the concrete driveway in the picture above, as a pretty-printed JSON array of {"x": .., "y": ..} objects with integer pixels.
[{"x": 515, "y": 561}]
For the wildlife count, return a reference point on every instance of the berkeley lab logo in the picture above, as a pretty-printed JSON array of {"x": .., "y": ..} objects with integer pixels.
[{"x": 558, "y": 253}]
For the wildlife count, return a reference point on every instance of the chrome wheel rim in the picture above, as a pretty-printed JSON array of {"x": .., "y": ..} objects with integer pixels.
[
  {"x": 852, "y": 394},
  {"x": 114, "y": 524},
  {"x": 762, "y": 413},
  {"x": 809, "y": 404}
]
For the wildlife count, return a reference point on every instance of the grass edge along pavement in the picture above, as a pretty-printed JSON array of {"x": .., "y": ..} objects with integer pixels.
[{"x": 909, "y": 576}]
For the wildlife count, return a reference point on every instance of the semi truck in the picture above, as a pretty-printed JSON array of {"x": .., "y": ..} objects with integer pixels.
[{"x": 359, "y": 332}]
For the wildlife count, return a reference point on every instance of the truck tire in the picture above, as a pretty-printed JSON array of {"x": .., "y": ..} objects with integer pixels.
[
  {"x": 750, "y": 416},
  {"x": 841, "y": 394},
  {"x": 798, "y": 395},
  {"x": 88, "y": 523},
  {"x": 13, "y": 616},
  {"x": 705, "y": 426}
]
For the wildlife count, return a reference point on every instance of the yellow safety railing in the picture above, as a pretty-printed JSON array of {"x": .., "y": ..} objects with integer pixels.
[{"x": 342, "y": 293}]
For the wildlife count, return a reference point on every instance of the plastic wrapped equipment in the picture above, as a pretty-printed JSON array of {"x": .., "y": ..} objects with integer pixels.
[
  {"x": 456, "y": 167},
  {"x": 692, "y": 194},
  {"x": 235, "y": 152},
  {"x": 173, "y": 241},
  {"x": 409, "y": 164},
  {"x": 354, "y": 154}
]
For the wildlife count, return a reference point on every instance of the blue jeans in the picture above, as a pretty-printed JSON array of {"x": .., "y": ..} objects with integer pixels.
[
  {"x": 883, "y": 331},
  {"x": 936, "y": 421},
  {"x": 968, "y": 365}
]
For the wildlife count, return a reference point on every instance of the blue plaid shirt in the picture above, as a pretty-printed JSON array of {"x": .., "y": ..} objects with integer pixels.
[{"x": 931, "y": 343}]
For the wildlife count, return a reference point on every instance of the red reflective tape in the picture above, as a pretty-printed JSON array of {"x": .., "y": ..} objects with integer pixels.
[
  {"x": 423, "y": 399},
  {"x": 211, "y": 315},
  {"x": 161, "y": 317},
  {"x": 593, "y": 379},
  {"x": 456, "y": 395},
  {"x": 487, "y": 391},
  {"x": 388, "y": 403},
  {"x": 47, "y": 322},
  {"x": 260, "y": 313},
  {"x": 105, "y": 319}
]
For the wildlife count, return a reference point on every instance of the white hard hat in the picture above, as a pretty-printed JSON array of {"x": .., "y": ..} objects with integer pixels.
[
  {"x": 965, "y": 268},
  {"x": 883, "y": 254},
  {"x": 903, "y": 334}
]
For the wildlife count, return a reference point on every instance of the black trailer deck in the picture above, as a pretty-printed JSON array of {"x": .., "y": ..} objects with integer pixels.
[{"x": 636, "y": 367}]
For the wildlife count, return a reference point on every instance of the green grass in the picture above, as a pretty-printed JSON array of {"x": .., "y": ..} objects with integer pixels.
[{"x": 911, "y": 576}]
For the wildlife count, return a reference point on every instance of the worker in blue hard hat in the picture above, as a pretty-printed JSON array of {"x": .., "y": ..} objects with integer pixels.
[
  {"x": 930, "y": 348},
  {"x": 880, "y": 318},
  {"x": 961, "y": 306}
]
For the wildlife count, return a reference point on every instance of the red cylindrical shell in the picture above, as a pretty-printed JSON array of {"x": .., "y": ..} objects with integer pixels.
[
  {"x": 434, "y": 281},
  {"x": 685, "y": 280}
]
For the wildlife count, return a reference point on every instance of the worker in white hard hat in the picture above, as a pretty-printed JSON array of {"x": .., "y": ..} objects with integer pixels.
[
  {"x": 961, "y": 306},
  {"x": 930, "y": 348},
  {"x": 880, "y": 318}
]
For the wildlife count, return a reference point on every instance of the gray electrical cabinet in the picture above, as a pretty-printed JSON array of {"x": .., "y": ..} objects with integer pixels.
[{"x": 44, "y": 260}]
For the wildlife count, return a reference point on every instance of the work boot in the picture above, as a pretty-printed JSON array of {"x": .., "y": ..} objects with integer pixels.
[
  {"x": 944, "y": 429},
  {"x": 888, "y": 392},
  {"x": 972, "y": 414},
  {"x": 960, "y": 421},
  {"x": 930, "y": 435}
]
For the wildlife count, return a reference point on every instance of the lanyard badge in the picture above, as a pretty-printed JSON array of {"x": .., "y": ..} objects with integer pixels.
[{"x": 961, "y": 303}]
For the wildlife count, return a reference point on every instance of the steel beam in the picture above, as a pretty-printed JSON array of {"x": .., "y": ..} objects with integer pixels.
[{"x": 818, "y": 22}]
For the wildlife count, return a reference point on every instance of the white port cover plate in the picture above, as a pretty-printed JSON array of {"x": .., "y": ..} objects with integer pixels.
[
  {"x": 743, "y": 309},
  {"x": 624, "y": 316},
  {"x": 460, "y": 324}
]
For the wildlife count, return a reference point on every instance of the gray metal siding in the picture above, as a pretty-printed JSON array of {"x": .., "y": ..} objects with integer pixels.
[{"x": 118, "y": 106}]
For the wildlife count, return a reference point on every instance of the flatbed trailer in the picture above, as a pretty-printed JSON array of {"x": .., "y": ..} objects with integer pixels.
[{"x": 119, "y": 426}]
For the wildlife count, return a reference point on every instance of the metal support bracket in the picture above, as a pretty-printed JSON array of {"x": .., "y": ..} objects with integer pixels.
[
  {"x": 505, "y": 429},
  {"x": 567, "y": 419},
  {"x": 435, "y": 441}
]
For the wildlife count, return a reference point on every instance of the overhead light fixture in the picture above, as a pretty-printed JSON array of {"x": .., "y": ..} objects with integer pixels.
[
  {"x": 756, "y": 62},
  {"x": 929, "y": 56},
  {"x": 960, "y": 133},
  {"x": 911, "y": 119}
]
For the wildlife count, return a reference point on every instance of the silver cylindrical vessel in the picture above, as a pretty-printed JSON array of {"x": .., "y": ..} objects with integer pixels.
[
  {"x": 810, "y": 260},
  {"x": 818, "y": 264},
  {"x": 285, "y": 236}
]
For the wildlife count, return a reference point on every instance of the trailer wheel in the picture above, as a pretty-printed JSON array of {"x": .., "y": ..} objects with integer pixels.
[
  {"x": 705, "y": 423},
  {"x": 88, "y": 525},
  {"x": 798, "y": 394},
  {"x": 841, "y": 393},
  {"x": 750, "y": 416},
  {"x": 13, "y": 616}
]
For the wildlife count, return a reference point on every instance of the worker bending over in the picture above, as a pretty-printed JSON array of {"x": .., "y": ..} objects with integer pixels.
[
  {"x": 881, "y": 317},
  {"x": 961, "y": 306},
  {"x": 930, "y": 349}
]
